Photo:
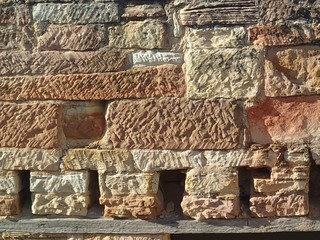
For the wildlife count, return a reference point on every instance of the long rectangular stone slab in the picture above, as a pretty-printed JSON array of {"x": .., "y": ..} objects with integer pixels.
[
  {"x": 166, "y": 80},
  {"x": 19, "y": 14},
  {"x": 270, "y": 186},
  {"x": 174, "y": 124},
  {"x": 10, "y": 182},
  {"x": 10, "y": 205}
]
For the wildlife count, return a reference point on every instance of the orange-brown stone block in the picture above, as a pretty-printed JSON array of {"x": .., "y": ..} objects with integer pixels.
[{"x": 10, "y": 205}]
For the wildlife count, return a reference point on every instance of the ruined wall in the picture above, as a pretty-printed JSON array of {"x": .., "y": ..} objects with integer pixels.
[{"x": 185, "y": 109}]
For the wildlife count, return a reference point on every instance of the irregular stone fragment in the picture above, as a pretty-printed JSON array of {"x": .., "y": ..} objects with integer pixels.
[
  {"x": 285, "y": 120},
  {"x": 19, "y": 15},
  {"x": 157, "y": 160},
  {"x": 50, "y": 63},
  {"x": 219, "y": 12},
  {"x": 126, "y": 237},
  {"x": 285, "y": 173},
  {"x": 131, "y": 207},
  {"x": 292, "y": 71},
  {"x": 10, "y": 182},
  {"x": 79, "y": 13},
  {"x": 316, "y": 32},
  {"x": 128, "y": 184},
  {"x": 315, "y": 151},
  {"x": 224, "y": 37},
  {"x": 10, "y": 205},
  {"x": 148, "y": 34},
  {"x": 13, "y": 37},
  {"x": 101, "y": 160},
  {"x": 207, "y": 208},
  {"x": 143, "y": 11},
  {"x": 60, "y": 204},
  {"x": 29, "y": 159},
  {"x": 39, "y": 125},
  {"x": 166, "y": 80},
  {"x": 174, "y": 124},
  {"x": 72, "y": 37},
  {"x": 296, "y": 204},
  {"x": 270, "y": 186},
  {"x": 152, "y": 58},
  {"x": 226, "y": 72},
  {"x": 59, "y": 182}
]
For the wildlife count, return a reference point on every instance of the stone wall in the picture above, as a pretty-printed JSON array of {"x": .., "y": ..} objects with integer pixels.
[{"x": 176, "y": 109}]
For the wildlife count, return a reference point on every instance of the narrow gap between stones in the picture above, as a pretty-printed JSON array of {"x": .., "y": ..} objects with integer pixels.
[
  {"x": 25, "y": 194},
  {"x": 95, "y": 209},
  {"x": 264, "y": 173},
  {"x": 314, "y": 189},
  {"x": 245, "y": 185}
]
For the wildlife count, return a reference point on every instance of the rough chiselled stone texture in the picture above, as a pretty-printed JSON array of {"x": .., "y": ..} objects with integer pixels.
[
  {"x": 50, "y": 63},
  {"x": 80, "y": 13},
  {"x": 148, "y": 34},
  {"x": 19, "y": 15},
  {"x": 10, "y": 205},
  {"x": 206, "y": 208},
  {"x": 165, "y": 80},
  {"x": 59, "y": 182},
  {"x": 101, "y": 160},
  {"x": 269, "y": 186},
  {"x": 128, "y": 207},
  {"x": 292, "y": 71},
  {"x": 29, "y": 159},
  {"x": 223, "y": 72},
  {"x": 60, "y": 204},
  {"x": 127, "y": 237},
  {"x": 219, "y": 12},
  {"x": 72, "y": 37},
  {"x": 295, "y": 204},
  {"x": 13, "y": 37},
  {"x": 285, "y": 120},
  {"x": 174, "y": 124},
  {"x": 152, "y": 58},
  {"x": 216, "y": 37},
  {"x": 208, "y": 182},
  {"x": 39, "y": 125},
  {"x": 145, "y": 184},
  {"x": 316, "y": 32},
  {"x": 143, "y": 11},
  {"x": 10, "y": 182}
]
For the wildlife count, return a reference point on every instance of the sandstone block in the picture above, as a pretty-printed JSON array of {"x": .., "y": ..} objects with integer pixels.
[
  {"x": 152, "y": 58},
  {"x": 59, "y": 182},
  {"x": 207, "y": 208},
  {"x": 166, "y": 80},
  {"x": 284, "y": 120},
  {"x": 51, "y": 63},
  {"x": 279, "y": 205},
  {"x": 270, "y": 186},
  {"x": 13, "y": 37},
  {"x": 101, "y": 160},
  {"x": 39, "y": 125},
  {"x": 148, "y": 34},
  {"x": 10, "y": 182},
  {"x": 292, "y": 71},
  {"x": 60, "y": 204},
  {"x": 174, "y": 124},
  {"x": 290, "y": 173},
  {"x": 219, "y": 12},
  {"x": 19, "y": 15},
  {"x": 10, "y": 205},
  {"x": 143, "y": 11},
  {"x": 223, "y": 72},
  {"x": 126, "y": 237},
  {"x": 80, "y": 13},
  {"x": 210, "y": 182},
  {"x": 29, "y": 159},
  {"x": 316, "y": 32},
  {"x": 131, "y": 207},
  {"x": 68, "y": 37},
  {"x": 146, "y": 184}
]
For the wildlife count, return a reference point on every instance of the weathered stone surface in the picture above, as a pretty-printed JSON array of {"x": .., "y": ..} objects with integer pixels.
[
  {"x": 143, "y": 11},
  {"x": 10, "y": 205},
  {"x": 166, "y": 80},
  {"x": 157, "y": 160},
  {"x": 80, "y": 13},
  {"x": 13, "y": 37},
  {"x": 292, "y": 71},
  {"x": 210, "y": 182},
  {"x": 280, "y": 34},
  {"x": 285, "y": 120},
  {"x": 270, "y": 186},
  {"x": 219, "y": 12},
  {"x": 29, "y": 159},
  {"x": 279, "y": 205},
  {"x": 223, "y": 72},
  {"x": 60, "y": 204},
  {"x": 174, "y": 124},
  {"x": 101, "y": 160},
  {"x": 18, "y": 14},
  {"x": 148, "y": 34},
  {"x": 206, "y": 208},
  {"x": 131, "y": 207},
  {"x": 271, "y": 11},
  {"x": 315, "y": 151},
  {"x": 290, "y": 173},
  {"x": 59, "y": 182},
  {"x": 146, "y": 184},
  {"x": 39, "y": 236},
  {"x": 50, "y": 63},
  {"x": 216, "y": 37},
  {"x": 39, "y": 125},
  {"x": 152, "y": 58},
  {"x": 127, "y": 237},
  {"x": 10, "y": 182},
  {"x": 72, "y": 37},
  {"x": 316, "y": 32}
]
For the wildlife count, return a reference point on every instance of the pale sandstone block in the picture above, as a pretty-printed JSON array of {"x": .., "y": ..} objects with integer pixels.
[
  {"x": 10, "y": 205},
  {"x": 10, "y": 182},
  {"x": 271, "y": 186},
  {"x": 153, "y": 58},
  {"x": 143, "y": 11},
  {"x": 14, "y": 37},
  {"x": 126, "y": 237},
  {"x": 290, "y": 173}
]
